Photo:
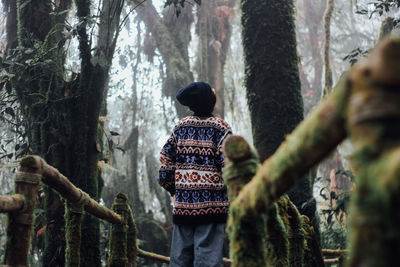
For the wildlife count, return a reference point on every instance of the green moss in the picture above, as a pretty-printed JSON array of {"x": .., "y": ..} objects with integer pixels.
[
  {"x": 327, "y": 29},
  {"x": 132, "y": 248},
  {"x": 296, "y": 236},
  {"x": 248, "y": 240},
  {"x": 376, "y": 200},
  {"x": 238, "y": 174},
  {"x": 277, "y": 243},
  {"x": 73, "y": 215},
  {"x": 119, "y": 232},
  {"x": 272, "y": 78}
]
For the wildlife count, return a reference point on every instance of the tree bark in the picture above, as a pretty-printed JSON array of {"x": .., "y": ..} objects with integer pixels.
[
  {"x": 272, "y": 81},
  {"x": 323, "y": 130},
  {"x": 20, "y": 223},
  {"x": 327, "y": 30},
  {"x": 62, "y": 117},
  {"x": 173, "y": 49},
  {"x": 10, "y": 7},
  {"x": 162, "y": 195},
  {"x": 214, "y": 31},
  {"x": 11, "y": 203}
]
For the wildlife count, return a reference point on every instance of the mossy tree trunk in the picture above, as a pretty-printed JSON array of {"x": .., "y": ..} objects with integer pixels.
[
  {"x": 92, "y": 83},
  {"x": 162, "y": 195},
  {"x": 132, "y": 146},
  {"x": 40, "y": 88},
  {"x": 214, "y": 31},
  {"x": 62, "y": 117},
  {"x": 20, "y": 223},
  {"x": 365, "y": 106},
  {"x": 171, "y": 36},
  {"x": 272, "y": 80},
  {"x": 10, "y": 7},
  {"x": 313, "y": 15},
  {"x": 327, "y": 31}
]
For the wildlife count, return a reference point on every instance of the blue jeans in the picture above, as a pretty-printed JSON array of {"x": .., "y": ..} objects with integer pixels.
[{"x": 197, "y": 245}]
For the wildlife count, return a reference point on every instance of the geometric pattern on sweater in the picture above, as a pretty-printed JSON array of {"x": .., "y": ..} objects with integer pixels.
[{"x": 191, "y": 163}]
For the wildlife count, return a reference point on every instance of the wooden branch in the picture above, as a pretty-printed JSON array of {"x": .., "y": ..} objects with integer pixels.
[
  {"x": 12, "y": 203},
  {"x": 53, "y": 178},
  {"x": 334, "y": 252},
  {"x": 332, "y": 261},
  {"x": 102, "y": 212},
  {"x": 153, "y": 256}
]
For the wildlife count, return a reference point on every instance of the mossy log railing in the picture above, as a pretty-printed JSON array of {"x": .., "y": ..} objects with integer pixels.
[
  {"x": 364, "y": 106},
  {"x": 276, "y": 236},
  {"x": 12, "y": 203},
  {"x": 20, "y": 207}
]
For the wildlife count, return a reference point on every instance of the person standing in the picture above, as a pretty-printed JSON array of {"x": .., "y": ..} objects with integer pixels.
[{"x": 191, "y": 163}]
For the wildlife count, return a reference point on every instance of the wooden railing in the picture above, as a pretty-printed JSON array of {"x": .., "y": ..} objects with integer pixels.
[{"x": 20, "y": 207}]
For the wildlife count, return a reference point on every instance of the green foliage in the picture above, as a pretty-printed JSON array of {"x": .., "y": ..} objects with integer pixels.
[
  {"x": 179, "y": 4},
  {"x": 355, "y": 55},
  {"x": 334, "y": 216},
  {"x": 379, "y": 7}
]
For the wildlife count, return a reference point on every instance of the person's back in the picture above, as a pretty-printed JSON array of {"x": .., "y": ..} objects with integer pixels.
[{"x": 191, "y": 163}]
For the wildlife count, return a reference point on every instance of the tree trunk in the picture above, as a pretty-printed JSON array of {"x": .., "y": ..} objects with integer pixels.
[
  {"x": 272, "y": 80},
  {"x": 172, "y": 44},
  {"x": 162, "y": 195},
  {"x": 214, "y": 30},
  {"x": 62, "y": 117},
  {"x": 327, "y": 30},
  {"x": 10, "y": 7}
]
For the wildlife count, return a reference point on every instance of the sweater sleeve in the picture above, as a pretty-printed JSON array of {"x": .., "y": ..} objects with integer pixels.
[
  {"x": 219, "y": 155},
  {"x": 166, "y": 177}
]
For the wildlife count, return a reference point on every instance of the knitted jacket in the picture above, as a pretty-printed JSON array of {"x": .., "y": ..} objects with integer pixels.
[{"x": 191, "y": 163}]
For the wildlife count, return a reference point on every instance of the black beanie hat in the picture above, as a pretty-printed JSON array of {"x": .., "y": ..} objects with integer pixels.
[{"x": 199, "y": 97}]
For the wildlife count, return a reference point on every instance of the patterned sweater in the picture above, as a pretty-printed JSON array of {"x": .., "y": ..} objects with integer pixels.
[{"x": 191, "y": 163}]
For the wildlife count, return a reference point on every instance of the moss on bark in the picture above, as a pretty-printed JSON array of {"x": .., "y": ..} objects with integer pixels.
[
  {"x": 365, "y": 106},
  {"x": 73, "y": 221},
  {"x": 119, "y": 232},
  {"x": 272, "y": 237},
  {"x": 327, "y": 30},
  {"x": 272, "y": 80},
  {"x": 20, "y": 223}
]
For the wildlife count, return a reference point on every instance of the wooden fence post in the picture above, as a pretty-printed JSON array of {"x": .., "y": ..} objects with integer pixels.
[
  {"x": 132, "y": 248},
  {"x": 20, "y": 223},
  {"x": 241, "y": 167},
  {"x": 73, "y": 226},
  {"x": 118, "y": 239}
]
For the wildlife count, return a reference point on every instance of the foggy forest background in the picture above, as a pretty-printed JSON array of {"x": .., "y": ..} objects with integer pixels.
[{"x": 153, "y": 46}]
